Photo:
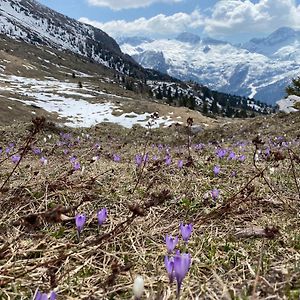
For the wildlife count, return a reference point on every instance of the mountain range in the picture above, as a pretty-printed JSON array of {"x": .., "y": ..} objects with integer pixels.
[
  {"x": 27, "y": 21},
  {"x": 260, "y": 68}
]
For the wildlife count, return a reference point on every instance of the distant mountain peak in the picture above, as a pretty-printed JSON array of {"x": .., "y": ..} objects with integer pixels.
[
  {"x": 188, "y": 37},
  {"x": 133, "y": 40},
  {"x": 278, "y": 36}
]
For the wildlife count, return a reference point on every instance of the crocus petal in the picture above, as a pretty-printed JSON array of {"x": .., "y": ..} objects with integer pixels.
[
  {"x": 182, "y": 264},
  {"x": 53, "y": 296},
  {"x": 37, "y": 296},
  {"x": 80, "y": 221},
  {"x": 169, "y": 265},
  {"x": 171, "y": 242},
  {"x": 44, "y": 297}
]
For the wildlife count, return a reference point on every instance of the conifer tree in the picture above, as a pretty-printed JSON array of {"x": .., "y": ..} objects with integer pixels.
[{"x": 294, "y": 88}]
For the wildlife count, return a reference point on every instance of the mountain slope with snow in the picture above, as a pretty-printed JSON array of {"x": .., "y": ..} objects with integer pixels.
[
  {"x": 29, "y": 21},
  {"x": 262, "y": 72}
]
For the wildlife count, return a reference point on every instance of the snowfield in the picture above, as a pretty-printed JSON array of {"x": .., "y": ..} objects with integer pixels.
[
  {"x": 288, "y": 104},
  {"x": 58, "y": 97}
]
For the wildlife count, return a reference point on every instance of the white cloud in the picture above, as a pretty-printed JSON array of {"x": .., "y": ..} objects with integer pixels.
[
  {"x": 231, "y": 19},
  {"x": 236, "y": 16},
  {"x": 159, "y": 25},
  {"x": 125, "y": 4}
]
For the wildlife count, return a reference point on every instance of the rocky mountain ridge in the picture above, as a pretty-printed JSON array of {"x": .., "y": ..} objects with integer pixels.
[{"x": 259, "y": 69}]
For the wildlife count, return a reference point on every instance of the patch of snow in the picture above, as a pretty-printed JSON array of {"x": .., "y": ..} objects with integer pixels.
[{"x": 287, "y": 104}]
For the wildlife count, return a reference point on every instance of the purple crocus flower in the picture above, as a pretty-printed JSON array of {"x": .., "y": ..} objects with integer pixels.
[
  {"x": 171, "y": 242},
  {"x": 15, "y": 158},
  {"x": 182, "y": 264},
  {"x": 76, "y": 165},
  {"x": 180, "y": 164},
  {"x": 43, "y": 161},
  {"x": 231, "y": 155},
  {"x": 155, "y": 158},
  {"x": 80, "y": 221},
  {"x": 116, "y": 158},
  {"x": 215, "y": 194},
  {"x": 221, "y": 153},
  {"x": 242, "y": 158},
  {"x": 37, "y": 151},
  {"x": 138, "y": 160},
  {"x": 73, "y": 159},
  {"x": 168, "y": 160},
  {"x": 186, "y": 231},
  {"x": 102, "y": 215},
  {"x": 169, "y": 265},
  {"x": 216, "y": 170},
  {"x": 65, "y": 151}
]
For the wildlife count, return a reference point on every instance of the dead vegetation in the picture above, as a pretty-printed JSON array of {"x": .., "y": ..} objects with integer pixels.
[{"x": 245, "y": 245}]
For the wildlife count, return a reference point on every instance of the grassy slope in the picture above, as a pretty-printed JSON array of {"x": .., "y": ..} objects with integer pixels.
[{"x": 246, "y": 243}]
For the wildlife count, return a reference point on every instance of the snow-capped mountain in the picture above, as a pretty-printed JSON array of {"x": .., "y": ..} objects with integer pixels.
[
  {"x": 261, "y": 68},
  {"x": 29, "y": 21}
]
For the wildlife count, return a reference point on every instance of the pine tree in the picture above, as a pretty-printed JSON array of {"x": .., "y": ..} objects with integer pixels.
[
  {"x": 214, "y": 107},
  {"x": 205, "y": 108},
  {"x": 294, "y": 88},
  {"x": 159, "y": 94}
]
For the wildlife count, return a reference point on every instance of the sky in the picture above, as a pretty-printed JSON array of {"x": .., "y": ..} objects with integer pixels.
[{"x": 231, "y": 20}]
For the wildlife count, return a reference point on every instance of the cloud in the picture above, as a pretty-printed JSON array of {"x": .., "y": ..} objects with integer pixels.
[
  {"x": 159, "y": 25},
  {"x": 125, "y": 4},
  {"x": 229, "y": 17}
]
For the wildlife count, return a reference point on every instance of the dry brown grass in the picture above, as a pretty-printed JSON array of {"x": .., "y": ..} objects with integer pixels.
[{"x": 244, "y": 247}]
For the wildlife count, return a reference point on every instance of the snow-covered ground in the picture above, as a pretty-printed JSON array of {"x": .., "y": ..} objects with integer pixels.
[
  {"x": 59, "y": 97},
  {"x": 287, "y": 104}
]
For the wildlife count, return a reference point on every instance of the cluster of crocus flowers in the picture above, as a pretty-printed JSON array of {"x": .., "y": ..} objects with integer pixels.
[
  {"x": 75, "y": 163},
  {"x": 141, "y": 159},
  {"x": 177, "y": 266},
  {"x": 80, "y": 220}
]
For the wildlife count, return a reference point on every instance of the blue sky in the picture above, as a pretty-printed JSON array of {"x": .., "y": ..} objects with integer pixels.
[{"x": 233, "y": 20}]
